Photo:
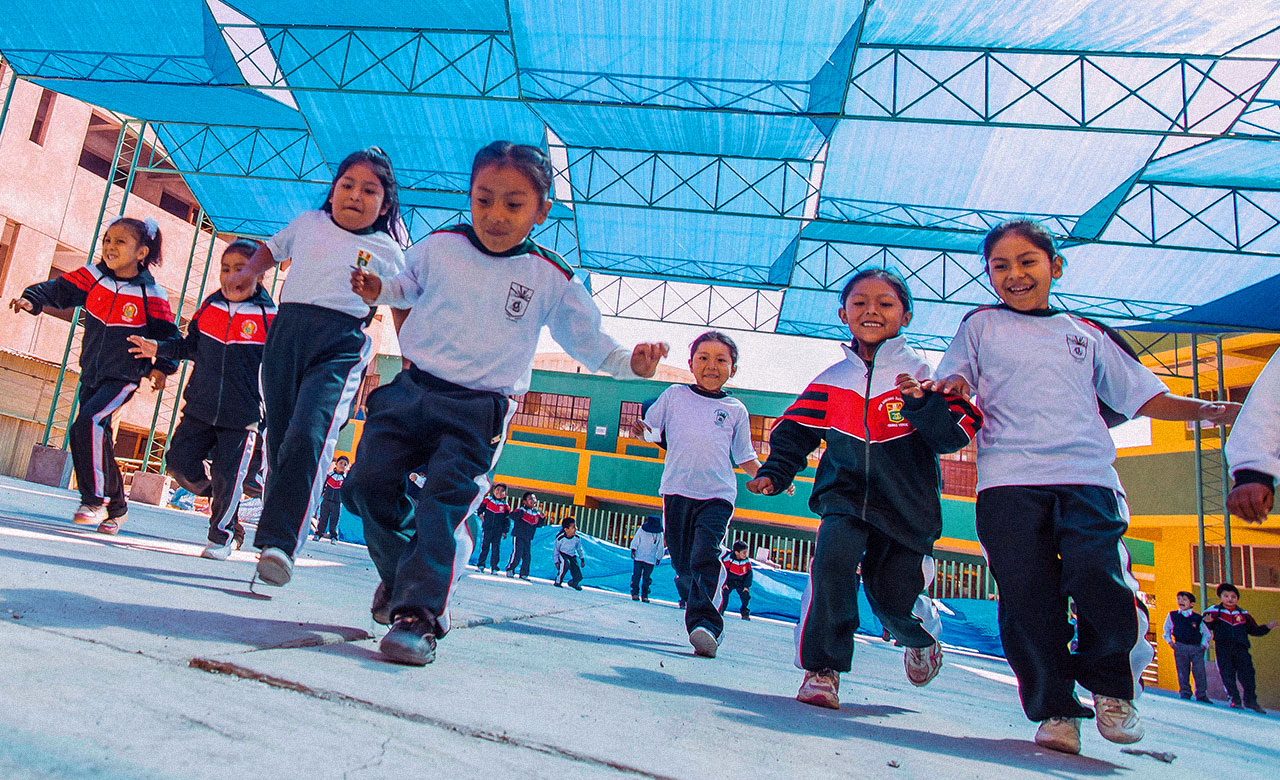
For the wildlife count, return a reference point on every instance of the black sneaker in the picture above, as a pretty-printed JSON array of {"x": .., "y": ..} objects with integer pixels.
[
  {"x": 746, "y": 615},
  {"x": 576, "y": 586},
  {"x": 381, "y": 607},
  {"x": 411, "y": 641},
  {"x": 634, "y": 597},
  {"x": 645, "y": 599}
]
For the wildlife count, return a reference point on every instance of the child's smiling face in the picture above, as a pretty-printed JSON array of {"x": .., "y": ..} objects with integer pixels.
[
  {"x": 712, "y": 365},
  {"x": 505, "y": 206},
  {"x": 122, "y": 251},
  {"x": 873, "y": 311},
  {"x": 1021, "y": 273}
]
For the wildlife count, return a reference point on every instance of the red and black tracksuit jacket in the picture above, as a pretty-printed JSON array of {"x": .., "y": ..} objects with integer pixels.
[
  {"x": 1232, "y": 628},
  {"x": 225, "y": 339},
  {"x": 881, "y": 462},
  {"x": 114, "y": 310},
  {"x": 738, "y": 573}
]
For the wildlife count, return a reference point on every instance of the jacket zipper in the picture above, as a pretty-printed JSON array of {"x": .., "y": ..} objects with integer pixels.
[
  {"x": 866, "y": 438},
  {"x": 222, "y": 371}
]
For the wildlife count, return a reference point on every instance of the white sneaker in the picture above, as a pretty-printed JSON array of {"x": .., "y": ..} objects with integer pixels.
[
  {"x": 1060, "y": 734},
  {"x": 1118, "y": 719},
  {"x": 218, "y": 552},
  {"x": 275, "y": 567},
  {"x": 89, "y": 515},
  {"x": 704, "y": 642},
  {"x": 922, "y": 663}
]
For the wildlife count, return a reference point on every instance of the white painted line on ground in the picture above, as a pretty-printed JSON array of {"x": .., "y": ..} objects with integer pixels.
[{"x": 986, "y": 674}]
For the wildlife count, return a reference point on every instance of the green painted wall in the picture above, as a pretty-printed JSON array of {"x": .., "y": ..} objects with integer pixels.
[{"x": 1163, "y": 484}]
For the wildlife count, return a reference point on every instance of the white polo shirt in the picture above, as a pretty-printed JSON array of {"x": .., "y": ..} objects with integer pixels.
[{"x": 706, "y": 438}]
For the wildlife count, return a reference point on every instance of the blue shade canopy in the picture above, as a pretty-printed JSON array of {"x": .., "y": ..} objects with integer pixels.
[{"x": 780, "y": 144}]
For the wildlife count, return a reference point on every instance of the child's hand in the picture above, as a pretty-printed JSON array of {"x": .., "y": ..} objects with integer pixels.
[
  {"x": 645, "y": 357},
  {"x": 158, "y": 379},
  {"x": 21, "y": 304},
  {"x": 954, "y": 385},
  {"x": 1251, "y": 502},
  {"x": 639, "y": 429},
  {"x": 791, "y": 489},
  {"x": 143, "y": 347},
  {"x": 1273, "y": 624},
  {"x": 1222, "y": 413},
  {"x": 909, "y": 387},
  {"x": 761, "y": 486},
  {"x": 368, "y": 286}
]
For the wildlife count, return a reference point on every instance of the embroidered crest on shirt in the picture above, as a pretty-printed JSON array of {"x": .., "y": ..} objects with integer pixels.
[
  {"x": 894, "y": 408},
  {"x": 248, "y": 328},
  {"x": 1078, "y": 346},
  {"x": 721, "y": 417},
  {"x": 518, "y": 298},
  {"x": 129, "y": 311}
]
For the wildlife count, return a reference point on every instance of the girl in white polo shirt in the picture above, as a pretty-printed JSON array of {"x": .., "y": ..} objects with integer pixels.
[{"x": 1051, "y": 512}]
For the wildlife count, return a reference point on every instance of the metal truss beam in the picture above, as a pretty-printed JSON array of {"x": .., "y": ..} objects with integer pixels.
[
  {"x": 690, "y": 182},
  {"x": 1226, "y": 219},
  {"x": 734, "y": 308},
  {"x": 399, "y": 61},
  {"x": 858, "y": 211},
  {"x": 279, "y": 154},
  {"x": 636, "y": 265},
  {"x": 1147, "y": 93},
  {"x": 114, "y": 66}
]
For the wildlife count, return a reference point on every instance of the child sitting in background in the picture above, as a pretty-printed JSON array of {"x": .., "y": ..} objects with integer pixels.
[
  {"x": 646, "y": 551},
  {"x": 568, "y": 554}
]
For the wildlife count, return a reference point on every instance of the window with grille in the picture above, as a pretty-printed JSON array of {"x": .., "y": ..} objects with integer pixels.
[
  {"x": 1252, "y": 566},
  {"x": 629, "y": 414},
  {"x": 553, "y": 411}
]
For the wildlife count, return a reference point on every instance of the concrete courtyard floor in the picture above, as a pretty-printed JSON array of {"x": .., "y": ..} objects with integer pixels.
[{"x": 132, "y": 657}]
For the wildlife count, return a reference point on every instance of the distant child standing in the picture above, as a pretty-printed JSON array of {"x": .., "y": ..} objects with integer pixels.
[
  {"x": 331, "y": 500},
  {"x": 707, "y": 432},
  {"x": 646, "y": 550},
  {"x": 120, "y": 299},
  {"x": 317, "y": 350},
  {"x": 222, "y": 409},
  {"x": 1232, "y": 627},
  {"x": 568, "y": 554},
  {"x": 877, "y": 488},
  {"x": 1185, "y": 631},
  {"x": 1051, "y": 512},
  {"x": 495, "y": 522},
  {"x": 525, "y": 520},
  {"x": 479, "y": 296},
  {"x": 737, "y": 578}
]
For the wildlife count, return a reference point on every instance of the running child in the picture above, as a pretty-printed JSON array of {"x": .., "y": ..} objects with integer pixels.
[
  {"x": 331, "y": 500},
  {"x": 1051, "y": 512},
  {"x": 479, "y": 295},
  {"x": 877, "y": 487},
  {"x": 317, "y": 350},
  {"x": 222, "y": 409},
  {"x": 707, "y": 433},
  {"x": 1231, "y": 627},
  {"x": 525, "y": 520},
  {"x": 120, "y": 299},
  {"x": 495, "y": 522},
  {"x": 568, "y": 554},
  {"x": 737, "y": 578}
]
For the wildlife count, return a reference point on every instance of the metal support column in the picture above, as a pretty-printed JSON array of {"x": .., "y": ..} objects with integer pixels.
[
  {"x": 1200, "y": 556},
  {"x": 128, "y": 147},
  {"x": 1226, "y": 471},
  {"x": 8, "y": 97}
]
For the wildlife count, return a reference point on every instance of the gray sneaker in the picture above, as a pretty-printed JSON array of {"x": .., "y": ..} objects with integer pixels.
[
  {"x": 218, "y": 552},
  {"x": 1060, "y": 734},
  {"x": 704, "y": 642},
  {"x": 1118, "y": 719},
  {"x": 411, "y": 641},
  {"x": 275, "y": 567}
]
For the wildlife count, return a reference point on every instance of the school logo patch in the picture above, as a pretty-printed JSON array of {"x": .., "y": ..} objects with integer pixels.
[
  {"x": 721, "y": 417},
  {"x": 518, "y": 299},
  {"x": 1078, "y": 346},
  {"x": 894, "y": 408},
  {"x": 248, "y": 328},
  {"x": 129, "y": 312}
]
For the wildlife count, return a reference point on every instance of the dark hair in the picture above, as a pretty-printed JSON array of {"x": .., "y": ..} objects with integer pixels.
[
  {"x": 885, "y": 275},
  {"x": 1226, "y": 586},
  {"x": 526, "y": 494},
  {"x": 1188, "y": 594},
  {"x": 1029, "y": 229},
  {"x": 739, "y": 546},
  {"x": 528, "y": 160},
  {"x": 142, "y": 233},
  {"x": 377, "y": 160},
  {"x": 715, "y": 335},
  {"x": 342, "y": 457},
  {"x": 241, "y": 246},
  {"x": 567, "y": 521},
  {"x": 497, "y": 485}
]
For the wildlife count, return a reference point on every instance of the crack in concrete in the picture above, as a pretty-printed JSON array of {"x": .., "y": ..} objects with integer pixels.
[
  {"x": 375, "y": 761},
  {"x": 223, "y": 667}
]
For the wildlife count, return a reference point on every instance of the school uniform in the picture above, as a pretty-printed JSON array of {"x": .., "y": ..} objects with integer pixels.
[
  {"x": 569, "y": 559},
  {"x": 222, "y": 405},
  {"x": 737, "y": 579},
  {"x": 330, "y": 505},
  {"x": 524, "y": 525},
  {"x": 314, "y": 361},
  {"x": 1051, "y": 512},
  {"x": 470, "y": 336},
  {"x": 646, "y": 550},
  {"x": 495, "y": 522},
  {"x": 707, "y": 434},
  {"x": 1185, "y": 631},
  {"x": 114, "y": 309},
  {"x": 877, "y": 490},
  {"x": 1231, "y": 630}
]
